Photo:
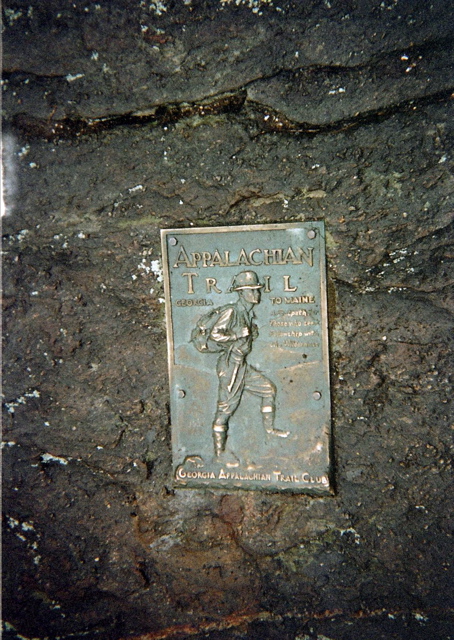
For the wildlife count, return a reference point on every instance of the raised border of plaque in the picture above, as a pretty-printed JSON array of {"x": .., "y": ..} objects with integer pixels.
[{"x": 247, "y": 334}]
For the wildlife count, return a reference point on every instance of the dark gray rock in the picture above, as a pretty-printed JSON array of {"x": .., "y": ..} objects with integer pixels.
[
  {"x": 336, "y": 93},
  {"x": 95, "y": 60},
  {"x": 98, "y": 543}
]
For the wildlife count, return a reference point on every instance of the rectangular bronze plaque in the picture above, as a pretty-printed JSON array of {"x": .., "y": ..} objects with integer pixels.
[{"x": 248, "y": 356}]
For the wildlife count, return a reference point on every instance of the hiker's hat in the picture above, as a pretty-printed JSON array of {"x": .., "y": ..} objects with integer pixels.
[{"x": 246, "y": 280}]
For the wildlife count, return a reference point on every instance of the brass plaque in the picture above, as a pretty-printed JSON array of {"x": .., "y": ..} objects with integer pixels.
[{"x": 247, "y": 335}]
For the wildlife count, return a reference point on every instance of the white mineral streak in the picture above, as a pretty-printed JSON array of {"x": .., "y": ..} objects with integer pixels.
[
  {"x": 71, "y": 78},
  {"x": 48, "y": 457}
]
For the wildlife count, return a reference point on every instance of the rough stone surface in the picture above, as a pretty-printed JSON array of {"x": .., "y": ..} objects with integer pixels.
[{"x": 97, "y": 542}]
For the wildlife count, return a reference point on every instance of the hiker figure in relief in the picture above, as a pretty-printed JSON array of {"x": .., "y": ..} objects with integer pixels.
[{"x": 231, "y": 330}]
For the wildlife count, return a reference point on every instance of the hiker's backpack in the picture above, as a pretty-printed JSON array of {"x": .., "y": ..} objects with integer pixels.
[{"x": 200, "y": 335}]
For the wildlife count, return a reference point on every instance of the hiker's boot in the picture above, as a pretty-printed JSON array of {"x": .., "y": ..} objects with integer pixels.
[
  {"x": 268, "y": 423},
  {"x": 219, "y": 439},
  {"x": 223, "y": 457}
]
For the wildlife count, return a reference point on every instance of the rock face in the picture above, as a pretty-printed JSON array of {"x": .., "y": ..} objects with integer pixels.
[{"x": 125, "y": 117}]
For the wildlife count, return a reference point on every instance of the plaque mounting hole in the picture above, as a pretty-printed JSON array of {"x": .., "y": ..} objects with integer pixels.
[
  {"x": 311, "y": 234},
  {"x": 181, "y": 393},
  {"x": 316, "y": 395},
  {"x": 173, "y": 241}
]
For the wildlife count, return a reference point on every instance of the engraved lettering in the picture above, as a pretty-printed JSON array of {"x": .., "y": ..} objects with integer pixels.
[
  {"x": 287, "y": 286},
  {"x": 307, "y": 256},
  {"x": 206, "y": 256},
  {"x": 293, "y": 312},
  {"x": 242, "y": 259},
  {"x": 306, "y": 477},
  {"x": 310, "y": 344},
  {"x": 211, "y": 284},
  {"x": 217, "y": 260},
  {"x": 183, "y": 474},
  {"x": 188, "y": 302},
  {"x": 196, "y": 258},
  {"x": 182, "y": 259},
  {"x": 292, "y": 344},
  {"x": 290, "y": 257},
  {"x": 255, "y": 257},
  {"x": 239, "y": 475},
  {"x": 286, "y": 334},
  {"x": 231, "y": 285},
  {"x": 284, "y": 323},
  {"x": 251, "y": 259},
  {"x": 300, "y": 300},
  {"x": 267, "y": 287},
  {"x": 273, "y": 256},
  {"x": 190, "y": 277}
]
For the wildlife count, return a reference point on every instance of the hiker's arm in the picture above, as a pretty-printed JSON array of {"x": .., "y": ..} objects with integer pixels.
[{"x": 221, "y": 331}]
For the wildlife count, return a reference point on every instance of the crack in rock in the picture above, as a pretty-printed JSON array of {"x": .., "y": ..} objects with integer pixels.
[{"x": 262, "y": 118}]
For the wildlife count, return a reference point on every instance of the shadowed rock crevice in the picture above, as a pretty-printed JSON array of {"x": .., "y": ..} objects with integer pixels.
[{"x": 259, "y": 118}]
